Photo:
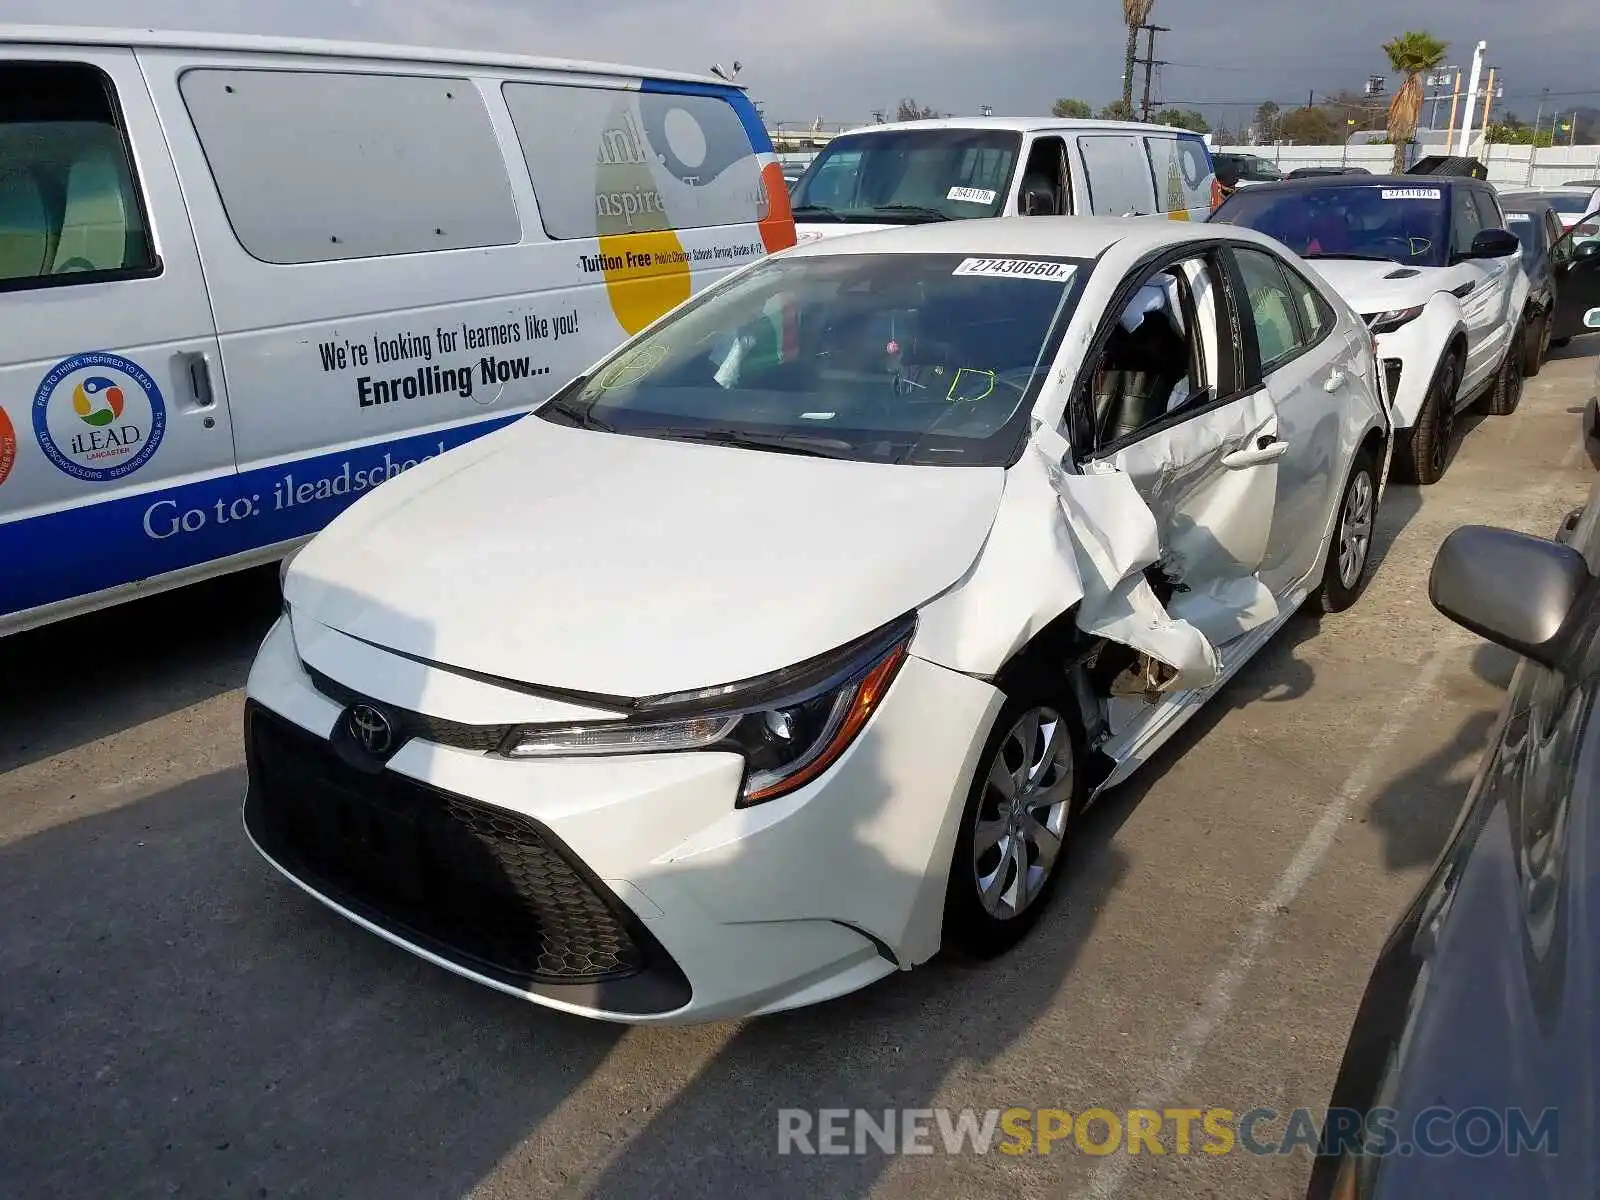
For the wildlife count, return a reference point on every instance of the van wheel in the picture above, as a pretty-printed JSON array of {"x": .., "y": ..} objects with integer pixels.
[
  {"x": 1012, "y": 845},
  {"x": 1344, "y": 576},
  {"x": 1502, "y": 399},
  {"x": 1428, "y": 446}
]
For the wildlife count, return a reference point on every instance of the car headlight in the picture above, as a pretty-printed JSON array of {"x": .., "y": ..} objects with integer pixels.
[
  {"x": 1388, "y": 322},
  {"x": 790, "y": 726}
]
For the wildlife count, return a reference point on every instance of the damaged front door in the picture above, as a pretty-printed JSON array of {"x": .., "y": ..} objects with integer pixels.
[{"x": 1163, "y": 406}]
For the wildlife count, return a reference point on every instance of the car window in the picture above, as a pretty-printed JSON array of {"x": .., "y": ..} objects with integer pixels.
[
  {"x": 1489, "y": 213},
  {"x": 1271, "y": 304},
  {"x": 1182, "y": 171},
  {"x": 1317, "y": 315},
  {"x": 1336, "y": 219},
  {"x": 902, "y": 358},
  {"x": 1117, "y": 173},
  {"x": 1160, "y": 357},
  {"x": 1465, "y": 221},
  {"x": 906, "y": 175}
]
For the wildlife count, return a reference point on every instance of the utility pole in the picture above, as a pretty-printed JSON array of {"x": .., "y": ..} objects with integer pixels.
[
  {"x": 1465, "y": 144},
  {"x": 1149, "y": 62}
]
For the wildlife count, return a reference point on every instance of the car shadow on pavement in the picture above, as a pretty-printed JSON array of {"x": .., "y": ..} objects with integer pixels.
[
  {"x": 1416, "y": 811},
  {"x": 178, "y": 1019},
  {"x": 96, "y": 675}
]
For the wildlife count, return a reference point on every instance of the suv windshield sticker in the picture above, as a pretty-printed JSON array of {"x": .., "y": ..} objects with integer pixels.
[
  {"x": 1412, "y": 194},
  {"x": 971, "y": 195},
  {"x": 1516, "y": 216},
  {"x": 1017, "y": 268}
]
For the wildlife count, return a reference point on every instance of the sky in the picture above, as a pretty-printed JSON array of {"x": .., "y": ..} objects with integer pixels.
[{"x": 838, "y": 60}]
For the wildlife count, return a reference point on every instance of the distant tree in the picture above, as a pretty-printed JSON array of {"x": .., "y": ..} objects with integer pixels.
[
  {"x": 1308, "y": 126},
  {"x": 1412, "y": 54},
  {"x": 910, "y": 110},
  {"x": 1188, "y": 119},
  {"x": 1134, "y": 14},
  {"x": 1267, "y": 122},
  {"x": 1117, "y": 110},
  {"x": 1071, "y": 108},
  {"x": 1504, "y": 133}
]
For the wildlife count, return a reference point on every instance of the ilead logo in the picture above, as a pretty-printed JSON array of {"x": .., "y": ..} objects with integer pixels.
[{"x": 98, "y": 416}]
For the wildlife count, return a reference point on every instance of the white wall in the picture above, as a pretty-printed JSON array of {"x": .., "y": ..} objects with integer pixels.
[{"x": 1508, "y": 165}]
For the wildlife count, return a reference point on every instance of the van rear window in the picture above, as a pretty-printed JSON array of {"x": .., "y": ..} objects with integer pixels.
[
  {"x": 320, "y": 165},
  {"x": 608, "y": 161}
]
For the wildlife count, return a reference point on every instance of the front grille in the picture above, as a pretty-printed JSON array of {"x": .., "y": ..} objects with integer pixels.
[
  {"x": 408, "y": 724},
  {"x": 485, "y": 888}
]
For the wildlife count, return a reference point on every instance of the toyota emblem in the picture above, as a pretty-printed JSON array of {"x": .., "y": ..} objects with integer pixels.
[{"x": 370, "y": 728}]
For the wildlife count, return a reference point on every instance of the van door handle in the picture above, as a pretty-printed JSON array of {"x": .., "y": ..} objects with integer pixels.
[
  {"x": 200, "y": 381},
  {"x": 1268, "y": 448}
]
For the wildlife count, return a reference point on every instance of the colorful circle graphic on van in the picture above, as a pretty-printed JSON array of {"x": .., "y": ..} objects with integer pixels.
[
  {"x": 98, "y": 416},
  {"x": 8, "y": 445},
  {"x": 97, "y": 400}
]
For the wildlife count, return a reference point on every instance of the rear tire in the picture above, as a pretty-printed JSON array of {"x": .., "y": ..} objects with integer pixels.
[
  {"x": 1016, "y": 827},
  {"x": 1536, "y": 345},
  {"x": 1502, "y": 399},
  {"x": 1344, "y": 576},
  {"x": 1427, "y": 448}
]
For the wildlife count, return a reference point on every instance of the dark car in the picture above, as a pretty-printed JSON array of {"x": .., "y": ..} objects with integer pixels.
[
  {"x": 1473, "y": 1062},
  {"x": 1562, "y": 284},
  {"x": 1233, "y": 169}
]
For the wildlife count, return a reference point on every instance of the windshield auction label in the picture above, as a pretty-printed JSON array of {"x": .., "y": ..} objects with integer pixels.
[
  {"x": 1412, "y": 194},
  {"x": 1517, "y": 216},
  {"x": 971, "y": 195},
  {"x": 1016, "y": 268}
]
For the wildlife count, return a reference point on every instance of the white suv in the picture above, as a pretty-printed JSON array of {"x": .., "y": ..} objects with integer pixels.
[{"x": 1428, "y": 262}]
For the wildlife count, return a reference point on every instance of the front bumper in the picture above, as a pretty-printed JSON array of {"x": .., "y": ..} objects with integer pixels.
[{"x": 627, "y": 888}]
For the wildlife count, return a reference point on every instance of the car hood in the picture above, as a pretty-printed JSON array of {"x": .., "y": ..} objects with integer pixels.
[
  {"x": 1367, "y": 288},
  {"x": 631, "y": 566},
  {"x": 813, "y": 231}
]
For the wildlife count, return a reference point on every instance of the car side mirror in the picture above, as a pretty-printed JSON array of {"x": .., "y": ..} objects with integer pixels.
[
  {"x": 1514, "y": 589},
  {"x": 1494, "y": 243},
  {"x": 1038, "y": 201},
  {"x": 1591, "y": 319},
  {"x": 1586, "y": 252}
]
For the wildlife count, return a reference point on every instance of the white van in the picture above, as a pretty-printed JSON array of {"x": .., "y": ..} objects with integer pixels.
[
  {"x": 913, "y": 171},
  {"x": 245, "y": 280}
]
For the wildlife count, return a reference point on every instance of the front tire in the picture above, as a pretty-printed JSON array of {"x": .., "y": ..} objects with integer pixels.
[
  {"x": 1344, "y": 576},
  {"x": 1427, "y": 449},
  {"x": 1502, "y": 399},
  {"x": 1015, "y": 828}
]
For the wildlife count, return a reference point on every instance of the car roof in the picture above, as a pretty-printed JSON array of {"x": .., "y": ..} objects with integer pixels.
[
  {"x": 1018, "y": 125},
  {"x": 1060, "y": 237},
  {"x": 154, "y": 39},
  {"x": 1312, "y": 183}
]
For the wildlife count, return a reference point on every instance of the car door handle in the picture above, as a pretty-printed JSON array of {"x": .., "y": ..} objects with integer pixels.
[
  {"x": 1337, "y": 378},
  {"x": 1268, "y": 448}
]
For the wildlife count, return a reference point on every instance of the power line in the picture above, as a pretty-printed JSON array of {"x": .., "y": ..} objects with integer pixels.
[{"x": 1149, "y": 62}]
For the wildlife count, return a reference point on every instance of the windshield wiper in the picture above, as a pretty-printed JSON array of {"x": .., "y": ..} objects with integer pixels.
[
  {"x": 913, "y": 210},
  {"x": 1350, "y": 254},
  {"x": 781, "y": 443},
  {"x": 817, "y": 210}
]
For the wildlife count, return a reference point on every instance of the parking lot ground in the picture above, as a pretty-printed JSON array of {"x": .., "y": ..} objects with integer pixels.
[{"x": 175, "y": 1019}]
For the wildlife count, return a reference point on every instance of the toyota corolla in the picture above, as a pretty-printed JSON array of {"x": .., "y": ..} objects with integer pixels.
[{"x": 785, "y": 647}]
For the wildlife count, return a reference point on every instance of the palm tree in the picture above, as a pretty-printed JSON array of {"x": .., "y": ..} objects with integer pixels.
[
  {"x": 1412, "y": 54},
  {"x": 1134, "y": 14}
]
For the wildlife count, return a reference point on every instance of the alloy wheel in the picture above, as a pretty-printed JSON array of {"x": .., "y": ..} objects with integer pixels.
[
  {"x": 1355, "y": 529},
  {"x": 1022, "y": 815}
]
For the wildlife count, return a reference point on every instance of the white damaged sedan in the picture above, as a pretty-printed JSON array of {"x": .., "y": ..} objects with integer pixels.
[{"x": 787, "y": 645}]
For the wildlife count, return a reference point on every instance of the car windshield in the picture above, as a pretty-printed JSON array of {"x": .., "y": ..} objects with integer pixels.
[
  {"x": 1386, "y": 222},
  {"x": 910, "y": 175},
  {"x": 1574, "y": 204},
  {"x": 902, "y": 358}
]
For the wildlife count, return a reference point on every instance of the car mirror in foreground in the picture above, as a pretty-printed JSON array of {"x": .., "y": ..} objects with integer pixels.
[
  {"x": 1512, "y": 588},
  {"x": 1591, "y": 319},
  {"x": 1587, "y": 252},
  {"x": 1495, "y": 243}
]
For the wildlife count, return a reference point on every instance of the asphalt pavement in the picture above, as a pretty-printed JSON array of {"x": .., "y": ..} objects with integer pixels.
[{"x": 175, "y": 1019}]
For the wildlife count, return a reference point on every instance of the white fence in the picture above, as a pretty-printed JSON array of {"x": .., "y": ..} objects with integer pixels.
[{"x": 1510, "y": 166}]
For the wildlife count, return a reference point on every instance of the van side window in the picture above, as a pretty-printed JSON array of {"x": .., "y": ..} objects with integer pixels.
[
  {"x": 661, "y": 160},
  {"x": 315, "y": 166},
  {"x": 1117, "y": 171},
  {"x": 1182, "y": 168},
  {"x": 70, "y": 210}
]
